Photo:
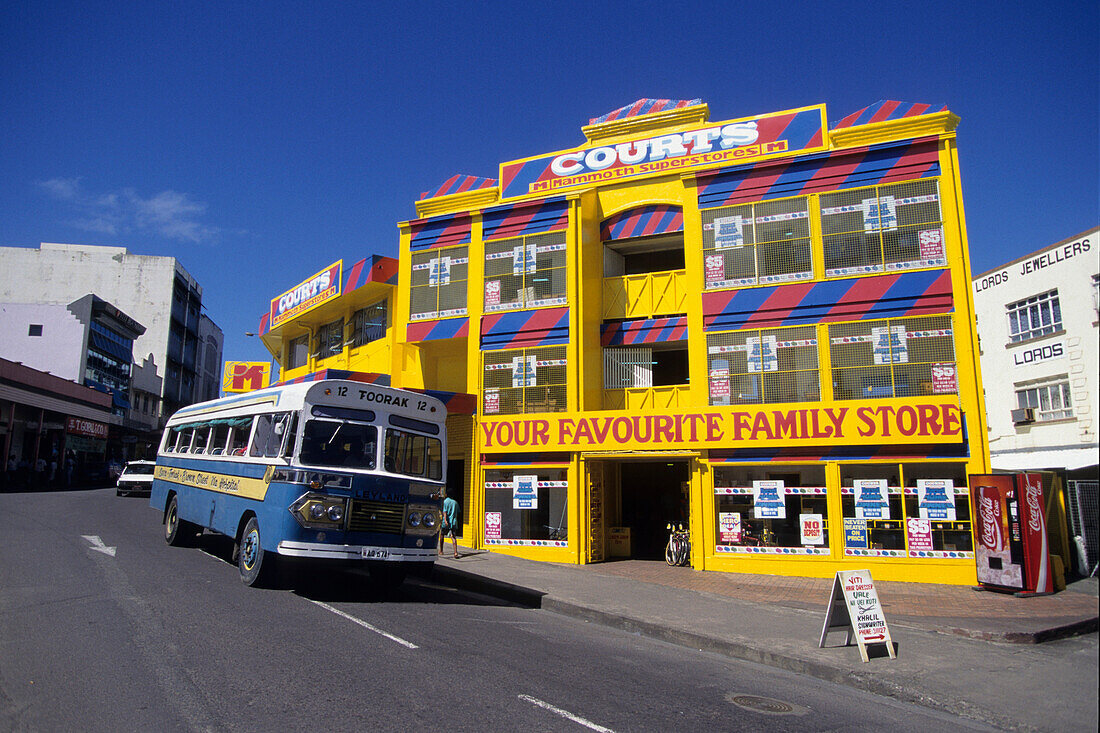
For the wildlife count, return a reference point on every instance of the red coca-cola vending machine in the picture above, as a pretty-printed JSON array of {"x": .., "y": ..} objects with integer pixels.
[{"x": 1011, "y": 549}]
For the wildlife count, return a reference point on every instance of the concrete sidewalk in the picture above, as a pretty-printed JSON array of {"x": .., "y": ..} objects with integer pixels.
[{"x": 974, "y": 654}]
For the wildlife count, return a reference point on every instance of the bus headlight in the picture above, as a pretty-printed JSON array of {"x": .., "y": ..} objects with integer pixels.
[
  {"x": 319, "y": 511},
  {"x": 422, "y": 519}
]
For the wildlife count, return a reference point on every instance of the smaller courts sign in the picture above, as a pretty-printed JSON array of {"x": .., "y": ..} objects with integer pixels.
[
  {"x": 307, "y": 295},
  {"x": 245, "y": 376}
]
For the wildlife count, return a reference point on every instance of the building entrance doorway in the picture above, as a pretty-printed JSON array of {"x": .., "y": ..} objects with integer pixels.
[{"x": 652, "y": 494}]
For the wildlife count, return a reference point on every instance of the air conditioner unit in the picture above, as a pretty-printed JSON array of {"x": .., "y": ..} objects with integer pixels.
[{"x": 1023, "y": 416}]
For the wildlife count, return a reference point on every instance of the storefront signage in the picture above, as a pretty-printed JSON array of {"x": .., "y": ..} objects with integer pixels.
[
  {"x": 854, "y": 604},
  {"x": 768, "y": 500},
  {"x": 1039, "y": 354},
  {"x": 245, "y": 376},
  {"x": 87, "y": 428},
  {"x": 322, "y": 287},
  {"x": 813, "y": 529},
  {"x": 855, "y": 533},
  {"x": 525, "y": 492},
  {"x": 872, "y": 501},
  {"x": 749, "y": 139},
  {"x": 872, "y": 422},
  {"x": 1035, "y": 264},
  {"x": 936, "y": 499},
  {"x": 492, "y": 525}
]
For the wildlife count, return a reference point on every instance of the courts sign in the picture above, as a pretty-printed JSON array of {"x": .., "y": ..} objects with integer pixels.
[{"x": 306, "y": 296}]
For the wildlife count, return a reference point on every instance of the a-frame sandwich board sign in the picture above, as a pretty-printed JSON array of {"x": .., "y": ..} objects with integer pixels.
[{"x": 854, "y": 606}]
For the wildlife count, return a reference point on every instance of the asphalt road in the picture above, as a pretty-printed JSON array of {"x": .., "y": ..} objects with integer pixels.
[{"x": 103, "y": 627}]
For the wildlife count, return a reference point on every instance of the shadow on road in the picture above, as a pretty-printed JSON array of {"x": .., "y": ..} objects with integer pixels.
[{"x": 339, "y": 582}]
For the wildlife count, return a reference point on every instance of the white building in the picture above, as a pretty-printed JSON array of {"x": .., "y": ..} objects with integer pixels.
[
  {"x": 1037, "y": 322},
  {"x": 172, "y": 366}
]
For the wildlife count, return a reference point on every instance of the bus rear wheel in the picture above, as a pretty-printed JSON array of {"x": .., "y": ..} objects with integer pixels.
[
  {"x": 257, "y": 567},
  {"x": 177, "y": 532}
]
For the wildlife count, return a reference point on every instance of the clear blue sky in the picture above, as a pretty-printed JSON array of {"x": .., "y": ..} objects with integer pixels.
[{"x": 260, "y": 141}]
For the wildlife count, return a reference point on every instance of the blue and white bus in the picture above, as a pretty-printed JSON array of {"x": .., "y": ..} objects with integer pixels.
[{"x": 331, "y": 469}]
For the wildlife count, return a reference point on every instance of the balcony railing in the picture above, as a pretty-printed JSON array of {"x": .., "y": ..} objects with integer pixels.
[
  {"x": 645, "y": 295},
  {"x": 646, "y": 398}
]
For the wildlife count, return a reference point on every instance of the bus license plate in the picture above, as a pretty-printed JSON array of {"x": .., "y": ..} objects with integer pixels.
[{"x": 374, "y": 553}]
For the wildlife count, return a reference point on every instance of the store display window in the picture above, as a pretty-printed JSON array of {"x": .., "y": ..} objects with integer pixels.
[
  {"x": 527, "y": 507},
  {"x": 937, "y": 510},
  {"x": 524, "y": 380},
  {"x": 756, "y": 244},
  {"x": 871, "y": 503},
  {"x": 771, "y": 510}
]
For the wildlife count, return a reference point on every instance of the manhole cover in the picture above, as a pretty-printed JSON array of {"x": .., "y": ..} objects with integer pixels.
[{"x": 766, "y": 705}]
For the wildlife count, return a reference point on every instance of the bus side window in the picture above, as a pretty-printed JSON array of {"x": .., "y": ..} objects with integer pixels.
[
  {"x": 291, "y": 434},
  {"x": 267, "y": 439},
  {"x": 238, "y": 438}
]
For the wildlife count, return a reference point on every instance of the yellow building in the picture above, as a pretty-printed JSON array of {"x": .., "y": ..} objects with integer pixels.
[{"x": 761, "y": 328}]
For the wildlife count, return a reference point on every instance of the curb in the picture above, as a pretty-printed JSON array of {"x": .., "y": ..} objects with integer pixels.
[{"x": 740, "y": 650}]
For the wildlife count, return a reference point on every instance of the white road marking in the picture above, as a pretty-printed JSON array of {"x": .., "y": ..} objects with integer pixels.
[
  {"x": 566, "y": 714},
  {"x": 98, "y": 546},
  {"x": 365, "y": 625}
]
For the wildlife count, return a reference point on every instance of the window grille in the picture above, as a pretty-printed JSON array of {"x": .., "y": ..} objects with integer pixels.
[
  {"x": 1050, "y": 399},
  {"x": 751, "y": 244},
  {"x": 525, "y": 272},
  {"x": 882, "y": 229},
  {"x": 897, "y": 357},
  {"x": 1036, "y": 316},
  {"x": 437, "y": 287},
  {"x": 627, "y": 367},
  {"x": 517, "y": 381},
  {"x": 369, "y": 324},
  {"x": 330, "y": 339},
  {"x": 759, "y": 367}
]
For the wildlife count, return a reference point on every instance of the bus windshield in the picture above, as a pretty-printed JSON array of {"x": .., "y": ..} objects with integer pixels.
[{"x": 329, "y": 443}]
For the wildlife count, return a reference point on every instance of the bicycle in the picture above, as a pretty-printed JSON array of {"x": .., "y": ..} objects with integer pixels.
[{"x": 678, "y": 549}]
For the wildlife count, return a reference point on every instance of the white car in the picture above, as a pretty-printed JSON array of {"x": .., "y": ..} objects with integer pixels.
[{"x": 136, "y": 478}]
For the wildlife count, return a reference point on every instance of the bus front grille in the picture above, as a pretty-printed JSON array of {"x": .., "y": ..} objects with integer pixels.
[{"x": 376, "y": 516}]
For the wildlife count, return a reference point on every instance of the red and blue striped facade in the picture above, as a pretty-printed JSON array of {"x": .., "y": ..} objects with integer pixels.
[
  {"x": 548, "y": 215},
  {"x": 885, "y": 110},
  {"x": 864, "y": 166},
  {"x": 524, "y": 329},
  {"x": 856, "y": 299},
  {"x": 446, "y": 328},
  {"x": 643, "y": 221},
  {"x": 459, "y": 183},
  {"x": 644, "y": 331},
  {"x": 440, "y": 231},
  {"x": 644, "y": 107}
]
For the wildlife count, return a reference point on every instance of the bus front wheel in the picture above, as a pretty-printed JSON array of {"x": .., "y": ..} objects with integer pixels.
[
  {"x": 257, "y": 567},
  {"x": 177, "y": 531}
]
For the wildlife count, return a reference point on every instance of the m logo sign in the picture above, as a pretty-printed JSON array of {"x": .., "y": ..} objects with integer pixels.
[{"x": 245, "y": 376}]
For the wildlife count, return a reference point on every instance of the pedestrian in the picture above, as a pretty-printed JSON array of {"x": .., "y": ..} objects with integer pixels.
[
  {"x": 450, "y": 522},
  {"x": 40, "y": 473}
]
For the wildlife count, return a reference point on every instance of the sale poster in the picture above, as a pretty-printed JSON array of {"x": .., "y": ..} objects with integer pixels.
[
  {"x": 492, "y": 292},
  {"x": 813, "y": 529},
  {"x": 872, "y": 501},
  {"x": 492, "y": 525},
  {"x": 729, "y": 528},
  {"x": 728, "y": 232},
  {"x": 491, "y": 401},
  {"x": 715, "y": 268},
  {"x": 768, "y": 500},
  {"x": 931, "y": 244},
  {"x": 943, "y": 379},
  {"x": 919, "y": 533},
  {"x": 936, "y": 499},
  {"x": 525, "y": 493}
]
